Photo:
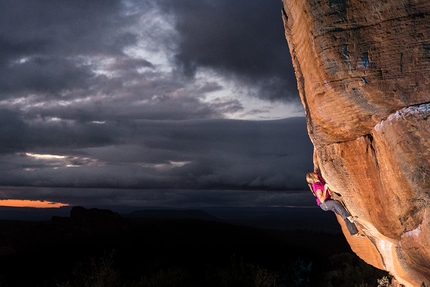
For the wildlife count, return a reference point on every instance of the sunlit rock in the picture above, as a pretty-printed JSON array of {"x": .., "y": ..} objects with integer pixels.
[{"x": 363, "y": 73}]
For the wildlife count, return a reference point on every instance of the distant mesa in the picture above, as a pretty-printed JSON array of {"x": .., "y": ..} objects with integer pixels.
[
  {"x": 91, "y": 220},
  {"x": 96, "y": 220},
  {"x": 173, "y": 214}
]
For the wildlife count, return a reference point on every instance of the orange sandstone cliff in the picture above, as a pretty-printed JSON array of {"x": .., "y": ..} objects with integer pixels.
[{"x": 363, "y": 74}]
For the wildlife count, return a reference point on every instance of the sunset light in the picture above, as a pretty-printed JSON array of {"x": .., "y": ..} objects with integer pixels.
[{"x": 31, "y": 203}]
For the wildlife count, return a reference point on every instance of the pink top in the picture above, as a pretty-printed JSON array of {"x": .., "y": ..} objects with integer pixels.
[{"x": 320, "y": 185}]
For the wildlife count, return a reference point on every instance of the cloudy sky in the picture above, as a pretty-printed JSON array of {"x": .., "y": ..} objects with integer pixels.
[{"x": 150, "y": 102}]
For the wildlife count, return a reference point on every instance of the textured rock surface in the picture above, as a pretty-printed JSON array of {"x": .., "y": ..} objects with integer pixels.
[{"x": 363, "y": 73}]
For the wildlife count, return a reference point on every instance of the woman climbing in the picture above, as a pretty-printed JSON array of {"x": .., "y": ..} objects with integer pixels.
[{"x": 320, "y": 190}]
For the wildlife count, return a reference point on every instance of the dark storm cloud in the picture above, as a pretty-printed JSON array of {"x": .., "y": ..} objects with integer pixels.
[
  {"x": 220, "y": 154},
  {"x": 12, "y": 132},
  {"x": 45, "y": 75},
  {"x": 244, "y": 38},
  {"x": 60, "y": 27},
  {"x": 90, "y": 111},
  {"x": 148, "y": 96},
  {"x": 39, "y": 41},
  {"x": 56, "y": 49}
]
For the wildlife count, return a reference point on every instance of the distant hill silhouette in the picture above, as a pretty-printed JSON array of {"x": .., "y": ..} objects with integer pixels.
[
  {"x": 31, "y": 213},
  {"x": 261, "y": 217},
  {"x": 172, "y": 214}
]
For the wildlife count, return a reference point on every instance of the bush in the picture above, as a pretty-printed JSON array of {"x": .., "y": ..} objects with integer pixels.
[
  {"x": 346, "y": 269},
  {"x": 296, "y": 273},
  {"x": 171, "y": 277},
  {"x": 240, "y": 274},
  {"x": 94, "y": 273}
]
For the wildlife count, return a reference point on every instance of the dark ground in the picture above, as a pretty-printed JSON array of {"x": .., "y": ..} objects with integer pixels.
[{"x": 49, "y": 253}]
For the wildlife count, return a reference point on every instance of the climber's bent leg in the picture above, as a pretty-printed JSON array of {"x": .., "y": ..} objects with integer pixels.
[{"x": 338, "y": 208}]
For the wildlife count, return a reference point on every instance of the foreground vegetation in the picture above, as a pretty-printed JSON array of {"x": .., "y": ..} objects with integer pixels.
[
  {"x": 234, "y": 273},
  {"x": 152, "y": 253}
]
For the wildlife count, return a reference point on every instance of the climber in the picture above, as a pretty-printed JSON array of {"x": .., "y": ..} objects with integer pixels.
[{"x": 320, "y": 190}]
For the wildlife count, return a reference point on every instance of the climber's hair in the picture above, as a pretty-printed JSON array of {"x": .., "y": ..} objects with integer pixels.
[{"x": 311, "y": 177}]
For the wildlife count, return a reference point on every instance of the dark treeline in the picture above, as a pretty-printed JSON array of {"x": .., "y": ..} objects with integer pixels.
[{"x": 106, "y": 249}]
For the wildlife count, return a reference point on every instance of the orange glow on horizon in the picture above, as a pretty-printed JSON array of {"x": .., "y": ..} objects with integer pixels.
[{"x": 31, "y": 203}]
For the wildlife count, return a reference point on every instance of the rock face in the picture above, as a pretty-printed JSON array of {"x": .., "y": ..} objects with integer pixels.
[{"x": 363, "y": 73}]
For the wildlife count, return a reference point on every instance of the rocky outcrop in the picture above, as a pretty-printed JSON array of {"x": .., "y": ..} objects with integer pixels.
[
  {"x": 363, "y": 74},
  {"x": 91, "y": 220}
]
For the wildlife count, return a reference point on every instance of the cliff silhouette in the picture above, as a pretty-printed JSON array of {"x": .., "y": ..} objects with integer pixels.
[{"x": 363, "y": 74}]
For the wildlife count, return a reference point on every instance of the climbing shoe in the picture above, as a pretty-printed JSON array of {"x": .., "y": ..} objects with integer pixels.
[{"x": 352, "y": 218}]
